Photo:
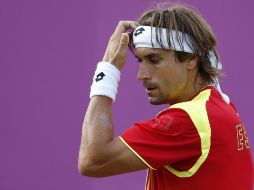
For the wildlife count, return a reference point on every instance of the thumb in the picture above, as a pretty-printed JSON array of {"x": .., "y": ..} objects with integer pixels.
[
  {"x": 120, "y": 54},
  {"x": 123, "y": 43}
]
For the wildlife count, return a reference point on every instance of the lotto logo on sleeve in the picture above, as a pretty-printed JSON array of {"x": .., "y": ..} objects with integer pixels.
[{"x": 99, "y": 76}]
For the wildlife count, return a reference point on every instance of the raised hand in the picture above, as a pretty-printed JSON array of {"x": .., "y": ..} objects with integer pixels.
[{"x": 118, "y": 43}]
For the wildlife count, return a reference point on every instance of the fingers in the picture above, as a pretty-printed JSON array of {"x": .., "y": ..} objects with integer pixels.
[
  {"x": 123, "y": 43},
  {"x": 118, "y": 43},
  {"x": 133, "y": 24},
  {"x": 122, "y": 27},
  {"x": 120, "y": 54}
]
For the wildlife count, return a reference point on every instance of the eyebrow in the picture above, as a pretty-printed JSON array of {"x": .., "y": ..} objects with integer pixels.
[{"x": 149, "y": 55}]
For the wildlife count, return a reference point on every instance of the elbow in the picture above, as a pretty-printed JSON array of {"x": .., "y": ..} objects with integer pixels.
[
  {"x": 87, "y": 167},
  {"x": 83, "y": 169}
]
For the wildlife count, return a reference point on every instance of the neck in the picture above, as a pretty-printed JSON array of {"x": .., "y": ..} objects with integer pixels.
[{"x": 200, "y": 83}]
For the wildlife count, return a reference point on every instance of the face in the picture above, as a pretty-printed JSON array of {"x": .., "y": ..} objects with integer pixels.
[{"x": 165, "y": 79}]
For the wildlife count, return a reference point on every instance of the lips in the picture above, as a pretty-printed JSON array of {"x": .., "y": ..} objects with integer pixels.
[
  {"x": 150, "y": 87},
  {"x": 151, "y": 91}
]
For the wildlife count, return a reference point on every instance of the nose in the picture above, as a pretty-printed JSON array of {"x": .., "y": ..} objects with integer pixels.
[{"x": 143, "y": 73}]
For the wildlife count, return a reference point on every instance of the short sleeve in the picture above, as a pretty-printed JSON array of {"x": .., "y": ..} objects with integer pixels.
[{"x": 170, "y": 138}]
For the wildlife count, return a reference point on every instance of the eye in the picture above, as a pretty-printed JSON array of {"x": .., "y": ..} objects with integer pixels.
[{"x": 154, "y": 60}]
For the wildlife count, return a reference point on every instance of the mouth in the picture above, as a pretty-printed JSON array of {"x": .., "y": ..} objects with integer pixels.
[
  {"x": 151, "y": 88},
  {"x": 151, "y": 91}
]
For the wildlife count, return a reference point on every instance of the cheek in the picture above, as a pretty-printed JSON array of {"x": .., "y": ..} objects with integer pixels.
[
  {"x": 180, "y": 74},
  {"x": 165, "y": 86},
  {"x": 173, "y": 81}
]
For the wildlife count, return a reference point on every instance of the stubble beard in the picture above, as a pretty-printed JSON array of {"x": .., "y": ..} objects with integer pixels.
[{"x": 158, "y": 100}]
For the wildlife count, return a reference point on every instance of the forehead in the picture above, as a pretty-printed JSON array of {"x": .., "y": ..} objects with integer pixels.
[{"x": 144, "y": 52}]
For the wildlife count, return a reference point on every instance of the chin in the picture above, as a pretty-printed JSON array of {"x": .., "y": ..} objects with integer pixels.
[{"x": 156, "y": 101}]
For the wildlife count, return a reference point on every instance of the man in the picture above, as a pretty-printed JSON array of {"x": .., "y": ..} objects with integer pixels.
[{"x": 199, "y": 142}]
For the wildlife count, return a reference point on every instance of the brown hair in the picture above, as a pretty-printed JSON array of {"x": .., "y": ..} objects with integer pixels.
[{"x": 186, "y": 19}]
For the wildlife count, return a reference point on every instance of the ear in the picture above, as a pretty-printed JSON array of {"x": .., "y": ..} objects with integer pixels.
[{"x": 192, "y": 63}]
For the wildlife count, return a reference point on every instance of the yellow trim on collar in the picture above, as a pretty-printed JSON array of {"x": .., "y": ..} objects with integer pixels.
[{"x": 196, "y": 109}]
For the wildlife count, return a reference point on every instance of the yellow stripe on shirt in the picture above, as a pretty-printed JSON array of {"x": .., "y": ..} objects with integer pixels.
[{"x": 196, "y": 109}]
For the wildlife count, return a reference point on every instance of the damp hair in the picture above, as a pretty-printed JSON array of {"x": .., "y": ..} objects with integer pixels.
[{"x": 185, "y": 19}]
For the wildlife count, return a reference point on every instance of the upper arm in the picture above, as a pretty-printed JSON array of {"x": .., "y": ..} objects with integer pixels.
[{"x": 114, "y": 158}]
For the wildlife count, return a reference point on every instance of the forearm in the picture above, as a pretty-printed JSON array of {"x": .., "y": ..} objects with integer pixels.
[
  {"x": 97, "y": 129},
  {"x": 100, "y": 154}
]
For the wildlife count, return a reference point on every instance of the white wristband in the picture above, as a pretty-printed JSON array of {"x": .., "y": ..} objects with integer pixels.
[{"x": 105, "y": 80}]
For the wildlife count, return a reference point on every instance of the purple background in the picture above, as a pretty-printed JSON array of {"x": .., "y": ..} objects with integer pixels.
[{"x": 48, "y": 53}]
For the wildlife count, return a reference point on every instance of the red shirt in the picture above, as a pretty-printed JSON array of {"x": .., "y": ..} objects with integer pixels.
[{"x": 194, "y": 145}]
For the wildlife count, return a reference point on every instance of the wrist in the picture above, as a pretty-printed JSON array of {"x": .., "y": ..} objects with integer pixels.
[{"x": 105, "y": 80}]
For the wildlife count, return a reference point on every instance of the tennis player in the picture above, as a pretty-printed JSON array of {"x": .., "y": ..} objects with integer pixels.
[{"x": 199, "y": 141}]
